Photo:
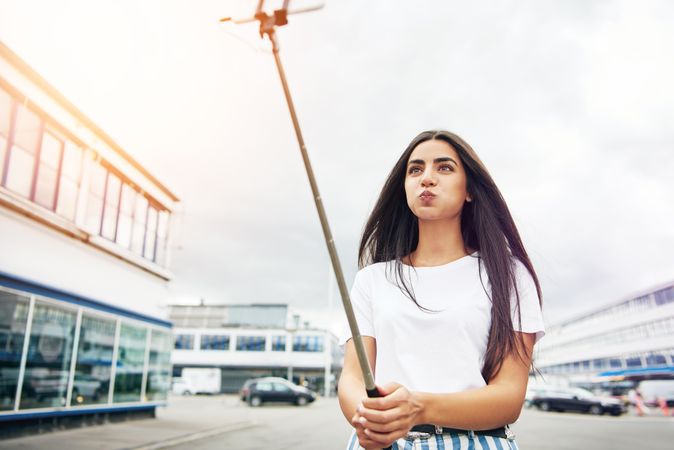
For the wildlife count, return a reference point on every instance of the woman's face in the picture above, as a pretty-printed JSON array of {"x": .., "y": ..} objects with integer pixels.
[{"x": 435, "y": 181}]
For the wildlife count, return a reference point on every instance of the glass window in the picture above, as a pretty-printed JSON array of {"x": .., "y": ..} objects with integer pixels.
[
  {"x": 125, "y": 222},
  {"x": 308, "y": 344},
  {"x": 159, "y": 367},
  {"x": 71, "y": 169},
  {"x": 278, "y": 343},
  {"x": 47, "y": 172},
  {"x": 95, "y": 198},
  {"x": 184, "y": 342},
  {"x": 111, "y": 207},
  {"x": 21, "y": 166},
  {"x": 250, "y": 343},
  {"x": 656, "y": 360},
  {"x": 633, "y": 362},
  {"x": 214, "y": 342},
  {"x": 162, "y": 233},
  {"x": 13, "y": 318},
  {"x": 49, "y": 352},
  {"x": 5, "y": 112},
  {"x": 263, "y": 386},
  {"x": 94, "y": 361},
  {"x": 6, "y": 104},
  {"x": 139, "y": 219},
  {"x": 130, "y": 363},
  {"x": 150, "y": 234}
]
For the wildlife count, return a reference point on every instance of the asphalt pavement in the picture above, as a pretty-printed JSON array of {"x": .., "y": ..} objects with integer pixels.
[{"x": 224, "y": 422}]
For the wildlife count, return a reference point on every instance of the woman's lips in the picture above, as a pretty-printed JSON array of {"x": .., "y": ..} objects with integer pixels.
[{"x": 427, "y": 196}]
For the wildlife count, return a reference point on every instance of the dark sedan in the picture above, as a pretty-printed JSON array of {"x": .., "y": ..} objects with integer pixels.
[
  {"x": 275, "y": 390},
  {"x": 576, "y": 399}
]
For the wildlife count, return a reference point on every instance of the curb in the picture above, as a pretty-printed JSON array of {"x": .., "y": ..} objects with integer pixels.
[{"x": 195, "y": 436}]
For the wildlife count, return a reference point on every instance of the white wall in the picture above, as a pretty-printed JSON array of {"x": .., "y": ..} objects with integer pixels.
[{"x": 38, "y": 253}]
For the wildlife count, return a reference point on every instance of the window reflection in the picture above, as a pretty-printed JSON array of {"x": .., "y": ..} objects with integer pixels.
[
  {"x": 159, "y": 367},
  {"x": 94, "y": 361},
  {"x": 130, "y": 362},
  {"x": 49, "y": 351},
  {"x": 13, "y": 317},
  {"x": 150, "y": 234}
]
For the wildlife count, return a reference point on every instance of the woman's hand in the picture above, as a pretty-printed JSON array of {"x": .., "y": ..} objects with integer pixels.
[
  {"x": 383, "y": 420},
  {"x": 363, "y": 439}
]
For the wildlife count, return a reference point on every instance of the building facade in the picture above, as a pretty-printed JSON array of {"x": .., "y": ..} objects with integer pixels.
[
  {"x": 247, "y": 341},
  {"x": 632, "y": 339},
  {"x": 84, "y": 232}
]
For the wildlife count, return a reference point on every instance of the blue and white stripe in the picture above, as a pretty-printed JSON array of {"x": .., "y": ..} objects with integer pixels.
[{"x": 450, "y": 441}]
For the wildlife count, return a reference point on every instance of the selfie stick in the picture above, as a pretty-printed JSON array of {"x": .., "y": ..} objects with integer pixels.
[{"x": 268, "y": 24}]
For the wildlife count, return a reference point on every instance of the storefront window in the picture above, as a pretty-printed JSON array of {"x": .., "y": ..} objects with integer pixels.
[
  {"x": 130, "y": 362},
  {"x": 94, "y": 361},
  {"x": 159, "y": 369},
  {"x": 13, "y": 317},
  {"x": 49, "y": 352}
]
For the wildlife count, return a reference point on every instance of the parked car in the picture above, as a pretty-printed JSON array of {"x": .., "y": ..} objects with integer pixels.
[
  {"x": 275, "y": 390},
  {"x": 576, "y": 399}
]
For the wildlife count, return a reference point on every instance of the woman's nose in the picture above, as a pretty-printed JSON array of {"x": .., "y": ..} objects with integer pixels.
[{"x": 428, "y": 179}]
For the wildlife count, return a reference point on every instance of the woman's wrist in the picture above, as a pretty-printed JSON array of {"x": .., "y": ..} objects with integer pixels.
[{"x": 421, "y": 402}]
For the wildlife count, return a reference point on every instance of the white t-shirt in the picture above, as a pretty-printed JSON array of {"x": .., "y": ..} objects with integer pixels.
[{"x": 436, "y": 352}]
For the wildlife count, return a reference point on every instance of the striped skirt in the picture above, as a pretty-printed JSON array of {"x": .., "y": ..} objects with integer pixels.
[{"x": 447, "y": 441}]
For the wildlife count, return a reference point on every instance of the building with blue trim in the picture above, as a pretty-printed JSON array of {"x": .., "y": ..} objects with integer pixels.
[
  {"x": 84, "y": 238},
  {"x": 628, "y": 341}
]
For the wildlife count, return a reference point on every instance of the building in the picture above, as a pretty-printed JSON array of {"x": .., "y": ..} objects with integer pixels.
[
  {"x": 630, "y": 340},
  {"x": 247, "y": 341},
  {"x": 84, "y": 232}
]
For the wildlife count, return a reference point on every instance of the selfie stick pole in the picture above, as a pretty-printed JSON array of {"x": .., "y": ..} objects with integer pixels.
[{"x": 268, "y": 24}]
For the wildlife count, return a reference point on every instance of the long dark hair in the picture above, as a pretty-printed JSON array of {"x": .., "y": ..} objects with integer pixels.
[{"x": 392, "y": 232}]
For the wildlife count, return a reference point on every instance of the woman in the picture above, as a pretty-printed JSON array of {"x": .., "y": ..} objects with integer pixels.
[{"x": 448, "y": 304}]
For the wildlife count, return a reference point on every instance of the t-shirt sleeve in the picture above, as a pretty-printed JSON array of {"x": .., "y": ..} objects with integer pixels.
[
  {"x": 531, "y": 314},
  {"x": 361, "y": 299}
]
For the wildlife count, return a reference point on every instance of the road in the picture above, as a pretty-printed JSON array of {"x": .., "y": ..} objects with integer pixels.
[
  {"x": 321, "y": 426},
  {"x": 224, "y": 422}
]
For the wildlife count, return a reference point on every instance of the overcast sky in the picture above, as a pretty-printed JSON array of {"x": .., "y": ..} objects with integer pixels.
[{"x": 570, "y": 104}]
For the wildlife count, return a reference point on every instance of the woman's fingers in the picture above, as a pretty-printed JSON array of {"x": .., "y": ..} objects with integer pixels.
[{"x": 387, "y": 427}]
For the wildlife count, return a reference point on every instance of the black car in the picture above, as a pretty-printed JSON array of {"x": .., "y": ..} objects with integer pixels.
[
  {"x": 275, "y": 390},
  {"x": 576, "y": 399}
]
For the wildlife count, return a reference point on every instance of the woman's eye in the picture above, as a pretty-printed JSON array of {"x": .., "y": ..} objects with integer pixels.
[
  {"x": 413, "y": 170},
  {"x": 446, "y": 168}
]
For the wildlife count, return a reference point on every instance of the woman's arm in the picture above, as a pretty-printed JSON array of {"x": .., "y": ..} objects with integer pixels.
[
  {"x": 352, "y": 387},
  {"x": 495, "y": 405}
]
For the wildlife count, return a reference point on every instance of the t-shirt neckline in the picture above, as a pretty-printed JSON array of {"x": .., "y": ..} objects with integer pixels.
[{"x": 456, "y": 262}]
